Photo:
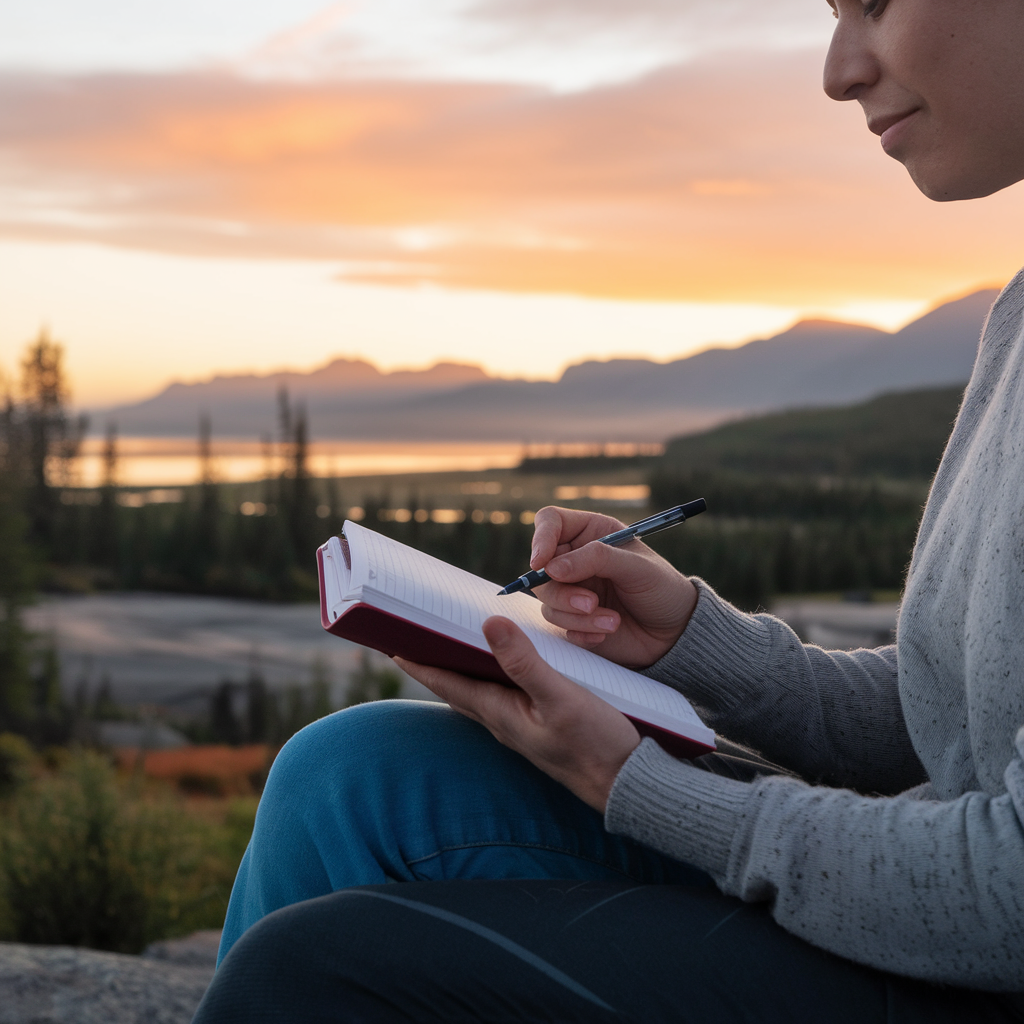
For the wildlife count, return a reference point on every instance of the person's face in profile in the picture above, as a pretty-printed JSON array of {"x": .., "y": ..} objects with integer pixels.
[{"x": 942, "y": 83}]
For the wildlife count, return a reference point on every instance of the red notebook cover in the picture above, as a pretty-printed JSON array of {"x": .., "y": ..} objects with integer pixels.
[{"x": 371, "y": 627}]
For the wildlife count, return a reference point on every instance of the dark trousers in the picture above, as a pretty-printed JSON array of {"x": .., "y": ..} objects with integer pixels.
[{"x": 541, "y": 950}]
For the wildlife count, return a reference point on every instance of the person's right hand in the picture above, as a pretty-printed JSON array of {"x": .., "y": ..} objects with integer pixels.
[{"x": 628, "y": 604}]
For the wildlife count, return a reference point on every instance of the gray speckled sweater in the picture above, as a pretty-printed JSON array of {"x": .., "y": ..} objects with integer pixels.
[{"x": 907, "y": 854}]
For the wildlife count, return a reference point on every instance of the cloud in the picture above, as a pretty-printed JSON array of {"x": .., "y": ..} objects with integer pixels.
[
  {"x": 567, "y": 45},
  {"x": 729, "y": 178},
  {"x": 688, "y": 26}
]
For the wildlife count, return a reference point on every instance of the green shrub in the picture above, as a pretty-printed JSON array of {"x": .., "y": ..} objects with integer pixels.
[
  {"x": 87, "y": 860},
  {"x": 16, "y": 759}
]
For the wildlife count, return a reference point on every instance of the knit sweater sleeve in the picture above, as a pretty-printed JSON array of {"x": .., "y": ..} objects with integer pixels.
[
  {"x": 933, "y": 890},
  {"x": 831, "y": 716}
]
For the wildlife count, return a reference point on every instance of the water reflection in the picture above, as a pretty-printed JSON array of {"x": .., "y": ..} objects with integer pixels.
[{"x": 174, "y": 461}]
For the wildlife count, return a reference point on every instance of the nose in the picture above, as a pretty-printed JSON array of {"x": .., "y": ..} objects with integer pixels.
[{"x": 851, "y": 66}]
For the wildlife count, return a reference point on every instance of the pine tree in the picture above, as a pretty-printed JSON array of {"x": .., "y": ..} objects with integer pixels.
[
  {"x": 206, "y": 541},
  {"x": 303, "y": 503},
  {"x": 297, "y": 502},
  {"x": 224, "y": 722},
  {"x": 51, "y": 439},
  {"x": 258, "y": 711},
  {"x": 367, "y": 683},
  {"x": 105, "y": 707},
  {"x": 296, "y": 710},
  {"x": 106, "y": 533},
  {"x": 320, "y": 689}
]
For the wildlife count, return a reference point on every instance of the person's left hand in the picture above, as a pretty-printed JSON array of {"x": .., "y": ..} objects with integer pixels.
[{"x": 564, "y": 729}]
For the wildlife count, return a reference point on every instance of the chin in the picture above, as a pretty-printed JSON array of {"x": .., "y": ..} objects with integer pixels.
[{"x": 944, "y": 184}]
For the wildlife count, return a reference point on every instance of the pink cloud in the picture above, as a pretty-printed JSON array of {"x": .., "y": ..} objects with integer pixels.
[{"x": 727, "y": 178}]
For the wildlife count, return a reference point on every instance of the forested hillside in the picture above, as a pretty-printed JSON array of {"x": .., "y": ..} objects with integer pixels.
[
  {"x": 808, "y": 500},
  {"x": 899, "y": 435}
]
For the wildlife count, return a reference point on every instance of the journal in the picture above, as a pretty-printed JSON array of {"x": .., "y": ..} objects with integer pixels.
[{"x": 395, "y": 599}]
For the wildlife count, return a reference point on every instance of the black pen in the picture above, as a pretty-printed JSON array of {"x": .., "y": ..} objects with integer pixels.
[{"x": 643, "y": 528}]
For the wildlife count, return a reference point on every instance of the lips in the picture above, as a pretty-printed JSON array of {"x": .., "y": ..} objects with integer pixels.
[
  {"x": 891, "y": 127},
  {"x": 880, "y": 125}
]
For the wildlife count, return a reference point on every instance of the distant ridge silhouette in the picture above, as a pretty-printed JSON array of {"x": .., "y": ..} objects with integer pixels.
[{"x": 814, "y": 363}]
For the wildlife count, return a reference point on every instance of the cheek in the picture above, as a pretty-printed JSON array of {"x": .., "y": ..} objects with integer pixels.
[
  {"x": 969, "y": 72},
  {"x": 977, "y": 139},
  {"x": 963, "y": 67}
]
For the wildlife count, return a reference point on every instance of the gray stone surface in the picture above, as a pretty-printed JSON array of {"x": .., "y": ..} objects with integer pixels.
[
  {"x": 196, "y": 950},
  {"x": 64, "y": 985},
  {"x": 149, "y": 735},
  {"x": 173, "y": 649}
]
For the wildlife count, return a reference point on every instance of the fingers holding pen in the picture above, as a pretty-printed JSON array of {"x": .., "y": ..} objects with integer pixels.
[
  {"x": 578, "y": 610},
  {"x": 559, "y": 530},
  {"x": 625, "y": 566}
]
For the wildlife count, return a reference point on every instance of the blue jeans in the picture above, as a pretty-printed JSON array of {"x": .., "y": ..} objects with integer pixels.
[{"x": 406, "y": 791}]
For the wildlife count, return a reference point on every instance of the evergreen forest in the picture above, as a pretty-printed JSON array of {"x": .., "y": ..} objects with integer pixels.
[{"x": 814, "y": 500}]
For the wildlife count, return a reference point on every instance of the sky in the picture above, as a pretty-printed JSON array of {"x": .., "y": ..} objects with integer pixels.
[{"x": 223, "y": 186}]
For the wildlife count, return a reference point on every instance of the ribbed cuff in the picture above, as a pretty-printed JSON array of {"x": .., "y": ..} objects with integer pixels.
[
  {"x": 677, "y": 809},
  {"x": 721, "y": 652}
]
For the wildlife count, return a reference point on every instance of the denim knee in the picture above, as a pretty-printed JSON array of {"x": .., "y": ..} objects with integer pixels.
[
  {"x": 367, "y": 730},
  {"x": 370, "y": 746}
]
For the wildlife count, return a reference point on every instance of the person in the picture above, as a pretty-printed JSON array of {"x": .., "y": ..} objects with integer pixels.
[{"x": 853, "y": 852}]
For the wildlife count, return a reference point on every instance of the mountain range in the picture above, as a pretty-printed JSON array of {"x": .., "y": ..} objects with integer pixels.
[{"x": 814, "y": 363}]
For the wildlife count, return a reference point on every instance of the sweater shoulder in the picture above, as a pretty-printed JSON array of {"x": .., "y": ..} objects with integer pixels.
[{"x": 1005, "y": 315}]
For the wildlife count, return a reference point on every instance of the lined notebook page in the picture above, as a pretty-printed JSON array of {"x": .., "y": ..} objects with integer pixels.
[{"x": 449, "y": 600}]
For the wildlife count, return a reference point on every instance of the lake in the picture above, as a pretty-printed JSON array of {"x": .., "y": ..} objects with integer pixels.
[{"x": 174, "y": 461}]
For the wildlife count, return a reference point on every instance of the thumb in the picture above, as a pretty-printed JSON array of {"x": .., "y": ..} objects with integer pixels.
[{"x": 520, "y": 661}]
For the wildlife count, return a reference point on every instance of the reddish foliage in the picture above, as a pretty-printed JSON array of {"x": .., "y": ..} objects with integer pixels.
[{"x": 216, "y": 770}]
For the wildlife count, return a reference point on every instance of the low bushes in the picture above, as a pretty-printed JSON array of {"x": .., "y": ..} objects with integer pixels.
[{"x": 88, "y": 858}]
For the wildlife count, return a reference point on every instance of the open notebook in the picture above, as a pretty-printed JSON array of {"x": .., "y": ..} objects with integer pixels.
[{"x": 398, "y": 600}]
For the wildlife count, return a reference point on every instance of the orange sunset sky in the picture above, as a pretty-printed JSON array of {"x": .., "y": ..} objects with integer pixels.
[{"x": 226, "y": 186}]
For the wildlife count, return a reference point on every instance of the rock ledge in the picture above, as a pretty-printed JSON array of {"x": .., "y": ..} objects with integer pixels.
[{"x": 66, "y": 985}]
